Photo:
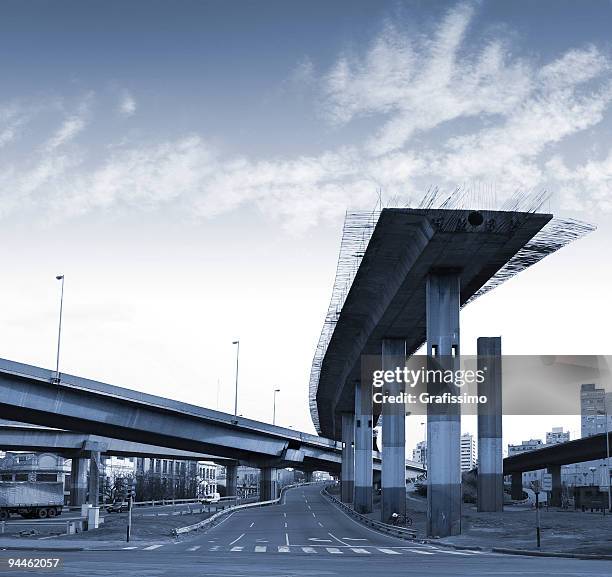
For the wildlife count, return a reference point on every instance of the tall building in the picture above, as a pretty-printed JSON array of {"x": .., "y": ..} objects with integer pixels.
[
  {"x": 557, "y": 435},
  {"x": 525, "y": 446},
  {"x": 595, "y": 403},
  {"x": 419, "y": 453},
  {"x": 468, "y": 452}
]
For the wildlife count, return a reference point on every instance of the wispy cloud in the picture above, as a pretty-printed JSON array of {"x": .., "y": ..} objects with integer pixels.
[
  {"x": 449, "y": 110},
  {"x": 127, "y": 105}
]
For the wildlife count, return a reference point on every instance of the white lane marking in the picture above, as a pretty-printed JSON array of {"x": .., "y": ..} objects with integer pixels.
[
  {"x": 285, "y": 525},
  {"x": 354, "y": 539},
  {"x": 238, "y": 548},
  {"x": 314, "y": 515},
  {"x": 283, "y": 549},
  {"x": 453, "y": 552},
  {"x": 194, "y": 548},
  {"x": 162, "y": 514},
  {"x": 361, "y": 551},
  {"x": 215, "y": 548},
  {"x": 320, "y": 524},
  {"x": 339, "y": 540},
  {"x": 419, "y": 551},
  {"x": 287, "y": 539},
  {"x": 152, "y": 547},
  {"x": 238, "y": 539},
  {"x": 334, "y": 550},
  {"x": 261, "y": 540},
  {"x": 285, "y": 515},
  {"x": 308, "y": 550},
  {"x": 389, "y": 551},
  {"x": 321, "y": 540},
  {"x": 260, "y": 548},
  {"x": 128, "y": 548},
  {"x": 308, "y": 506},
  {"x": 253, "y": 523}
]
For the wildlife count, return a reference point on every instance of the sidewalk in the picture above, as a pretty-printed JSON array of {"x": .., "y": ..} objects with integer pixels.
[{"x": 562, "y": 531}]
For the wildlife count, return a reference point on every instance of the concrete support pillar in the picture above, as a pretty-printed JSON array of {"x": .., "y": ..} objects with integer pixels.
[
  {"x": 516, "y": 487},
  {"x": 555, "y": 494},
  {"x": 308, "y": 476},
  {"x": 94, "y": 478},
  {"x": 231, "y": 479},
  {"x": 268, "y": 484},
  {"x": 393, "y": 434},
  {"x": 347, "y": 477},
  {"x": 443, "y": 419},
  {"x": 490, "y": 454},
  {"x": 362, "y": 500},
  {"x": 78, "y": 481}
]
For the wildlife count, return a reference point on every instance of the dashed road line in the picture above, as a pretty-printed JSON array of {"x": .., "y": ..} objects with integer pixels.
[
  {"x": 152, "y": 547},
  {"x": 237, "y": 548},
  {"x": 195, "y": 548},
  {"x": 333, "y": 550},
  {"x": 238, "y": 539},
  {"x": 361, "y": 551}
]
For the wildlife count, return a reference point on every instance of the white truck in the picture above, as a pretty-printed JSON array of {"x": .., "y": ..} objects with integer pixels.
[{"x": 31, "y": 499}]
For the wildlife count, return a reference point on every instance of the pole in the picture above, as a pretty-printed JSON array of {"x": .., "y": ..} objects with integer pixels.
[
  {"x": 537, "y": 504},
  {"x": 59, "y": 331},
  {"x": 237, "y": 360},
  {"x": 607, "y": 457},
  {"x": 274, "y": 407},
  {"x": 129, "y": 523}
]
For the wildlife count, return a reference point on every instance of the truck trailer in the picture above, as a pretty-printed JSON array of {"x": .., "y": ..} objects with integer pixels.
[{"x": 31, "y": 499}]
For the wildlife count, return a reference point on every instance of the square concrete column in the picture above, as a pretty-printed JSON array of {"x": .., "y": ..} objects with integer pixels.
[
  {"x": 393, "y": 434},
  {"x": 347, "y": 474},
  {"x": 94, "y": 478},
  {"x": 78, "y": 481},
  {"x": 490, "y": 454},
  {"x": 555, "y": 495},
  {"x": 231, "y": 479},
  {"x": 268, "y": 484},
  {"x": 443, "y": 419},
  {"x": 516, "y": 487},
  {"x": 308, "y": 476},
  {"x": 362, "y": 501}
]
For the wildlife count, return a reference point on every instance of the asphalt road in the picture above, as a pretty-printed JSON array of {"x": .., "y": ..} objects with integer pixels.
[{"x": 305, "y": 536}]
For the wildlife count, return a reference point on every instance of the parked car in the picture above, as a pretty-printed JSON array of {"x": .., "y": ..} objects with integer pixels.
[
  {"x": 117, "y": 507},
  {"x": 212, "y": 498}
]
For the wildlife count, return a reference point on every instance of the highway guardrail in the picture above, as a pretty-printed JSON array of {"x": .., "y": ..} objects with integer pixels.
[{"x": 394, "y": 530}]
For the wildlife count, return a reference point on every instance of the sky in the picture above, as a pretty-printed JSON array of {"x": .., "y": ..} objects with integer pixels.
[{"x": 187, "y": 166}]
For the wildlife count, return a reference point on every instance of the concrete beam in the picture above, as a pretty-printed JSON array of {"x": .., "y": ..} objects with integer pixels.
[
  {"x": 347, "y": 478},
  {"x": 94, "y": 479},
  {"x": 231, "y": 479},
  {"x": 362, "y": 499},
  {"x": 490, "y": 453},
  {"x": 268, "y": 490},
  {"x": 443, "y": 419},
  {"x": 393, "y": 434},
  {"x": 555, "y": 494}
]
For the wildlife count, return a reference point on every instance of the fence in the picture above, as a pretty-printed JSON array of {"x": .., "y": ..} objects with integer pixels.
[{"x": 401, "y": 532}]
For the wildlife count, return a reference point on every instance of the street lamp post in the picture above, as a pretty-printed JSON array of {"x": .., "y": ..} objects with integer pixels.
[
  {"x": 592, "y": 469},
  {"x": 59, "y": 277},
  {"x": 274, "y": 407},
  {"x": 237, "y": 343}
]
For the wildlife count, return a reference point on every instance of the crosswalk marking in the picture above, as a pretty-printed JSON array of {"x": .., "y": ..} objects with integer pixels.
[
  {"x": 126, "y": 548},
  {"x": 333, "y": 550},
  {"x": 389, "y": 551},
  {"x": 362, "y": 551},
  {"x": 152, "y": 547},
  {"x": 194, "y": 548},
  {"x": 260, "y": 548},
  {"x": 237, "y": 548},
  {"x": 215, "y": 548},
  {"x": 420, "y": 552},
  {"x": 453, "y": 552},
  {"x": 308, "y": 550},
  {"x": 283, "y": 549}
]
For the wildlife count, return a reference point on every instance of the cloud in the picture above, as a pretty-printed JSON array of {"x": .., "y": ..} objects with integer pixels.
[
  {"x": 447, "y": 108},
  {"x": 127, "y": 105}
]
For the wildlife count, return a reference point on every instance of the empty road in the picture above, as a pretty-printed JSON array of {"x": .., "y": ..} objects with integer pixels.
[{"x": 306, "y": 536}]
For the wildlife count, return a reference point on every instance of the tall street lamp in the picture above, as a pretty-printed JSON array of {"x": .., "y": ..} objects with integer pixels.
[
  {"x": 237, "y": 343},
  {"x": 274, "y": 407},
  {"x": 59, "y": 277}
]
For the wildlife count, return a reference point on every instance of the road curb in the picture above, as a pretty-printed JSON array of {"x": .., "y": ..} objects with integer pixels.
[{"x": 532, "y": 553}]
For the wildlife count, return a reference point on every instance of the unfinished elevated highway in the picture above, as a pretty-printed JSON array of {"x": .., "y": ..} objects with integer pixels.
[{"x": 403, "y": 276}]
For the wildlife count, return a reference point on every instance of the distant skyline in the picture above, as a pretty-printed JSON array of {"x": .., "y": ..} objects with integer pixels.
[{"x": 187, "y": 166}]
